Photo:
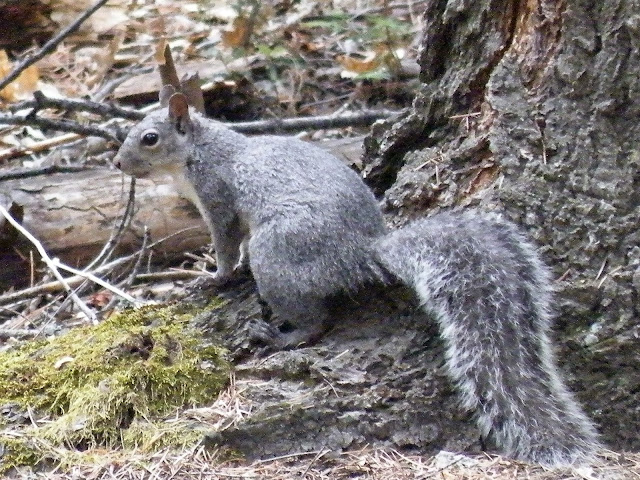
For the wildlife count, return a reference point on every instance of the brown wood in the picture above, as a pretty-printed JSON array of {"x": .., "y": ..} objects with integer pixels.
[{"x": 74, "y": 214}]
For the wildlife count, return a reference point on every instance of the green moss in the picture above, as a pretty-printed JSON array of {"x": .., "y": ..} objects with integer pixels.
[{"x": 108, "y": 386}]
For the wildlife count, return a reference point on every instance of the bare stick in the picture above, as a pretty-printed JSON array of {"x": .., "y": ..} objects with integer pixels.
[
  {"x": 90, "y": 276},
  {"x": 115, "y": 237},
  {"x": 16, "y": 173},
  {"x": 59, "y": 125},
  {"x": 134, "y": 271},
  {"x": 353, "y": 119},
  {"x": 38, "y": 146},
  {"x": 50, "y": 263},
  {"x": 136, "y": 267},
  {"x": 56, "y": 286},
  {"x": 50, "y": 45},
  {"x": 173, "y": 274},
  {"x": 40, "y": 101},
  {"x": 111, "y": 244}
]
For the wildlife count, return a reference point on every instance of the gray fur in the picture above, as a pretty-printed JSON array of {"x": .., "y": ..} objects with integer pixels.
[
  {"x": 313, "y": 229},
  {"x": 490, "y": 293}
]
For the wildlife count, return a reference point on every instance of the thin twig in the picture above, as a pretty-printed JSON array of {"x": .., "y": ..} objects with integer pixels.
[
  {"x": 134, "y": 271},
  {"x": 38, "y": 146},
  {"x": 55, "y": 286},
  {"x": 113, "y": 241},
  {"x": 352, "y": 119},
  {"x": 96, "y": 280},
  {"x": 59, "y": 125},
  {"x": 136, "y": 267},
  {"x": 107, "y": 89},
  {"x": 41, "y": 101},
  {"x": 50, "y": 45},
  {"x": 53, "y": 264},
  {"x": 18, "y": 173},
  {"x": 111, "y": 244},
  {"x": 173, "y": 274}
]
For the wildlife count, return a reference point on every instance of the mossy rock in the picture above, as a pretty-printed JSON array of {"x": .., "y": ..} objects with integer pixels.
[{"x": 109, "y": 386}]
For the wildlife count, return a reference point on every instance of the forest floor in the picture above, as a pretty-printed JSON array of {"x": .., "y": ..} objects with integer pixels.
[{"x": 272, "y": 59}]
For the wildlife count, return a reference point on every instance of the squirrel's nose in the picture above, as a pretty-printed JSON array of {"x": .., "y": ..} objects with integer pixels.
[{"x": 116, "y": 162}]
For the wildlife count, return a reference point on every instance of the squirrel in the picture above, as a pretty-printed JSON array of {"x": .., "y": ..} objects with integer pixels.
[{"x": 308, "y": 227}]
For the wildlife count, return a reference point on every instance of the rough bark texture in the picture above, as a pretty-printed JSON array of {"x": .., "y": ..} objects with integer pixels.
[
  {"x": 376, "y": 379},
  {"x": 531, "y": 107},
  {"x": 526, "y": 107}
]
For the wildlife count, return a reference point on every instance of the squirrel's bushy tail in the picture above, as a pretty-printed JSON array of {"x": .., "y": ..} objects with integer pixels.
[{"x": 490, "y": 293}]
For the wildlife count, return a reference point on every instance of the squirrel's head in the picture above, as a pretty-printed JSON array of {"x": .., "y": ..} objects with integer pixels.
[{"x": 160, "y": 143}]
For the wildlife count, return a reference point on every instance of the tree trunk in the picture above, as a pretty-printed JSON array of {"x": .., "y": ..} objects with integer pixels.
[{"x": 531, "y": 108}]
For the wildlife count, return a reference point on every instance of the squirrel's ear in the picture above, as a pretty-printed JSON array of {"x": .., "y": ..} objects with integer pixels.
[
  {"x": 165, "y": 94},
  {"x": 179, "y": 112}
]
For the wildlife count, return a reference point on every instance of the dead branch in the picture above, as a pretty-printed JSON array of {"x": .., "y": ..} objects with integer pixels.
[
  {"x": 56, "y": 286},
  {"x": 75, "y": 280},
  {"x": 50, "y": 45},
  {"x": 37, "y": 147},
  {"x": 58, "y": 125},
  {"x": 90, "y": 276},
  {"x": 123, "y": 224},
  {"x": 352, "y": 119},
  {"x": 17, "y": 173},
  {"x": 41, "y": 101}
]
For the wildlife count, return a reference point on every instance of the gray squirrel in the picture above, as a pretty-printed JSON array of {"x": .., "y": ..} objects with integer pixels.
[{"x": 308, "y": 227}]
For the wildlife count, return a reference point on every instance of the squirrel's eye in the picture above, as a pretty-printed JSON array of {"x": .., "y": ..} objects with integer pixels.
[{"x": 149, "y": 138}]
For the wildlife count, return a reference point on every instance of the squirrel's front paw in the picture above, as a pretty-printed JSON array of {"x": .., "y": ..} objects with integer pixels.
[
  {"x": 273, "y": 337},
  {"x": 219, "y": 279}
]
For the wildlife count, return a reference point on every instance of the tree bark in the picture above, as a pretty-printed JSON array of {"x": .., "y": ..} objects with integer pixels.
[{"x": 531, "y": 108}]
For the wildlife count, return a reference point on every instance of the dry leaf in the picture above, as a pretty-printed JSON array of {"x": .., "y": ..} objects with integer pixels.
[
  {"x": 157, "y": 27},
  {"x": 358, "y": 65},
  {"x": 237, "y": 35},
  {"x": 100, "y": 299},
  {"x": 23, "y": 86}
]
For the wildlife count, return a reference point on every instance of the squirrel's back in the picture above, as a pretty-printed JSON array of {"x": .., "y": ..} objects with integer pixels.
[{"x": 310, "y": 213}]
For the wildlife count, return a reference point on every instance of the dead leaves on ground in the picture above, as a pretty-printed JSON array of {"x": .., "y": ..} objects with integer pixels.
[{"x": 324, "y": 45}]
